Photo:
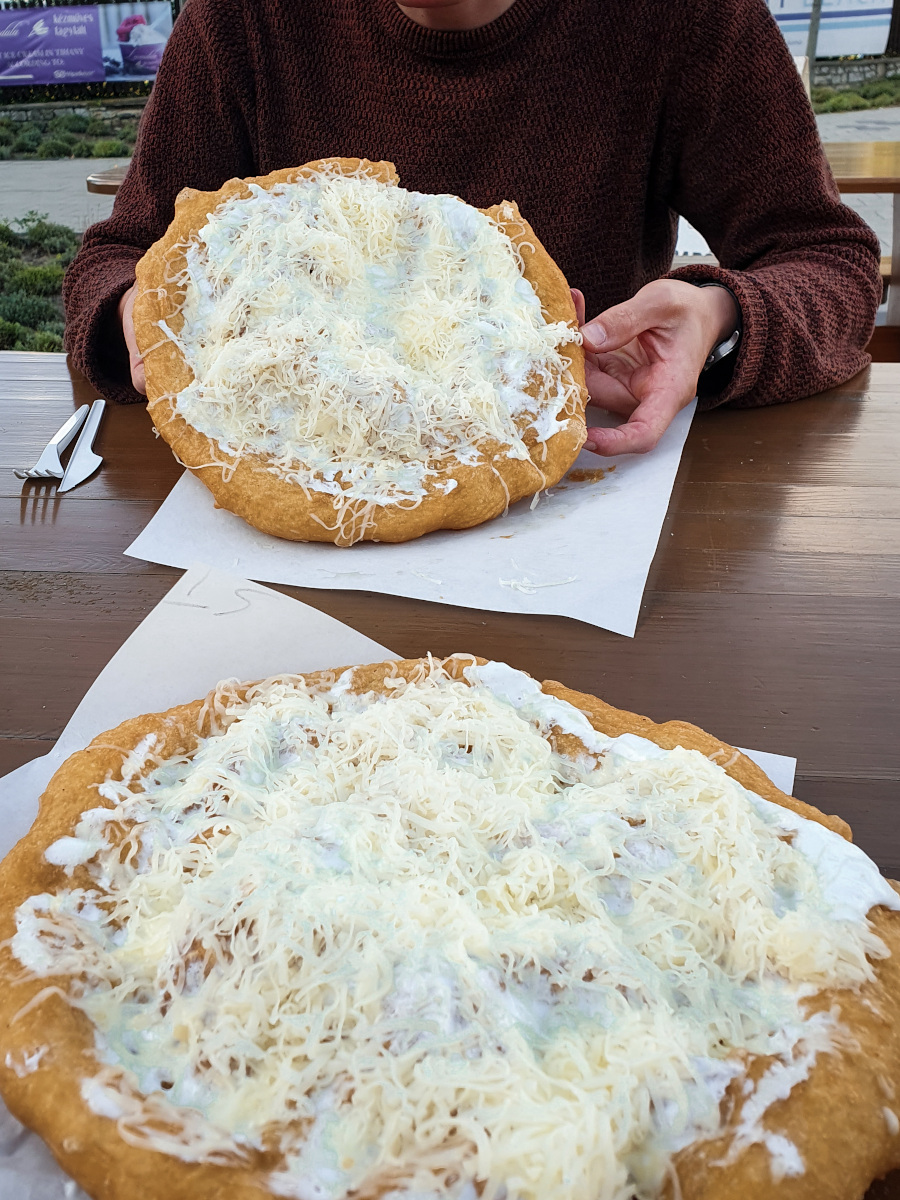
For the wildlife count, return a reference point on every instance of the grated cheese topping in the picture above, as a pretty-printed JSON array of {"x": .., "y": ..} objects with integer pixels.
[
  {"x": 406, "y": 942},
  {"x": 365, "y": 339}
]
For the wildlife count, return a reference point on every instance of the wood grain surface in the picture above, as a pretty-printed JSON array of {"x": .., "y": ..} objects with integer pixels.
[
  {"x": 771, "y": 616},
  {"x": 864, "y": 166}
]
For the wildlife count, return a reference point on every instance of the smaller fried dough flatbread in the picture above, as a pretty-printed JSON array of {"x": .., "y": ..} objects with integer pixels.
[
  {"x": 836, "y": 1118},
  {"x": 460, "y": 496}
]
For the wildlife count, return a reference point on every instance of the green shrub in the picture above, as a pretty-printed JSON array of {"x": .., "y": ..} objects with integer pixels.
[
  {"x": 27, "y": 143},
  {"x": 46, "y": 235},
  {"x": 844, "y": 102},
  {"x": 876, "y": 93},
  {"x": 110, "y": 148},
  {"x": 45, "y": 139},
  {"x": 72, "y": 123},
  {"x": 33, "y": 254},
  {"x": 35, "y": 311},
  {"x": 9, "y": 333},
  {"x": 14, "y": 336},
  {"x": 878, "y": 87},
  {"x": 37, "y": 281},
  {"x": 45, "y": 342},
  {"x": 54, "y": 148}
]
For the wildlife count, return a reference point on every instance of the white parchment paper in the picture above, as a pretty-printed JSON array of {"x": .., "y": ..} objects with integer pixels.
[
  {"x": 210, "y": 626},
  {"x": 584, "y": 551}
]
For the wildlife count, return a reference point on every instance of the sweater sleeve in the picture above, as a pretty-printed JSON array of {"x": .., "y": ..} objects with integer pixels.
[
  {"x": 193, "y": 134},
  {"x": 749, "y": 172}
]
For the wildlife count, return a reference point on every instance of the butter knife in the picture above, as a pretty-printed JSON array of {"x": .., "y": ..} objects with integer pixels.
[{"x": 84, "y": 462}]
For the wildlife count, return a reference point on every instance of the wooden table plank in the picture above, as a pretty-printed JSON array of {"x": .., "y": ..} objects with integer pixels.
[
  {"x": 864, "y": 166},
  {"x": 108, "y": 182},
  {"x": 697, "y": 659},
  {"x": 772, "y": 615}
]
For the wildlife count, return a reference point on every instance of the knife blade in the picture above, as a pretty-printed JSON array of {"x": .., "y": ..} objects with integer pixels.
[{"x": 84, "y": 462}]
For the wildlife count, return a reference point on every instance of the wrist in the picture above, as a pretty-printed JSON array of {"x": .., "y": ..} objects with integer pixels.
[{"x": 723, "y": 313}]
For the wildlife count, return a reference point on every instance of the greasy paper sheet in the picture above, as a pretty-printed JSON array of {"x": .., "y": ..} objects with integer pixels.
[
  {"x": 584, "y": 551},
  {"x": 210, "y": 626}
]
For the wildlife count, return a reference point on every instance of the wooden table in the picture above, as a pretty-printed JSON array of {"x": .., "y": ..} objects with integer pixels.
[
  {"x": 107, "y": 183},
  {"x": 771, "y": 616},
  {"x": 865, "y": 166}
]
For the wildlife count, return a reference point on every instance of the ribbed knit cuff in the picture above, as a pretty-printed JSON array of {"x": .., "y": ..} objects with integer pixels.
[
  {"x": 96, "y": 342},
  {"x": 754, "y": 336}
]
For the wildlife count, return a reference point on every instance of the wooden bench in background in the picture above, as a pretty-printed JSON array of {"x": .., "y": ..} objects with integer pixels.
[{"x": 107, "y": 183}]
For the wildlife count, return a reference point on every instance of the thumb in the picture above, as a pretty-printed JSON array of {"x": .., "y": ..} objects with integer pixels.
[
  {"x": 578, "y": 300},
  {"x": 135, "y": 361},
  {"x": 615, "y": 328}
]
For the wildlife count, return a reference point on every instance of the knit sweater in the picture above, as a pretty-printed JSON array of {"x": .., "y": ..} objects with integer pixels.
[{"x": 603, "y": 119}]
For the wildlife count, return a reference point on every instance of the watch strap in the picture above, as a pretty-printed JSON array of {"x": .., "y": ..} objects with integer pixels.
[{"x": 727, "y": 345}]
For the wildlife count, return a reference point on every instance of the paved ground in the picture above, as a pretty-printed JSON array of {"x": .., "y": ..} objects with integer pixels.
[
  {"x": 56, "y": 188},
  {"x": 871, "y": 125}
]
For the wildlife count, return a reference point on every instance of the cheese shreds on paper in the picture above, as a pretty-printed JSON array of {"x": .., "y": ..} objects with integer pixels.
[{"x": 402, "y": 938}]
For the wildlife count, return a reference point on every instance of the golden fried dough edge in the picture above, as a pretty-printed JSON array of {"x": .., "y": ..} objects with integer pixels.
[
  {"x": 48, "y": 1101},
  {"x": 836, "y": 1118},
  {"x": 270, "y": 503}
]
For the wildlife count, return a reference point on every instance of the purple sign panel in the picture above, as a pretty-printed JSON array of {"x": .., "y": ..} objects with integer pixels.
[
  {"x": 50, "y": 45},
  {"x": 83, "y": 44}
]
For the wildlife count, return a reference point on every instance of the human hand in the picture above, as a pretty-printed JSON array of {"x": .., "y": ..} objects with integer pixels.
[
  {"x": 643, "y": 358},
  {"x": 135, "y": 362}
]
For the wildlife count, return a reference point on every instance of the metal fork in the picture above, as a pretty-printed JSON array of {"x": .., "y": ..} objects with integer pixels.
[{"x": 48, "y": 465}]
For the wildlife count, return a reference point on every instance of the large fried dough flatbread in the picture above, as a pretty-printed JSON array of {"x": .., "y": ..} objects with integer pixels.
[
  {"x": 265, "y": 500},
  {"x": 837, "y": 1118}
]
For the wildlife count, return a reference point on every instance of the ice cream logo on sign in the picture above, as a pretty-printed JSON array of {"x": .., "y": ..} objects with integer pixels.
[{"x": 134, "y": 36}]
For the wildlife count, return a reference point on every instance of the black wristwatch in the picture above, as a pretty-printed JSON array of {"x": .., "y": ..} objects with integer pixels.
[{"x": 729, "y": 345}]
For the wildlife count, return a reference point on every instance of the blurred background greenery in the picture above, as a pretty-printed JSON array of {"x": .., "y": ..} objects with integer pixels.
[{"x": 34, "y": 254}]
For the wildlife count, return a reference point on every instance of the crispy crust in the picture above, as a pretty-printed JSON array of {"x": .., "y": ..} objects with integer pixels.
[
  {"x": 272, "y": 504},
  {"x": 836, "y": 1118}
]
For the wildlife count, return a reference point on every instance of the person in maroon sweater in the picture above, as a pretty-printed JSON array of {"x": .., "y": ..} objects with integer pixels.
[{"x": 603, "y": 119}]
